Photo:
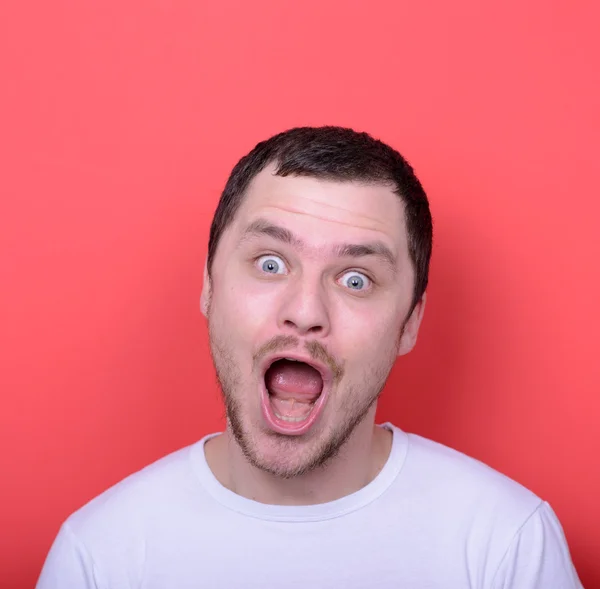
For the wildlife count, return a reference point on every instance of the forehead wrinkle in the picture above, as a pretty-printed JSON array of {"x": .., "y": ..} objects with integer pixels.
[
  {"x": 328, "y": 219},
  {"x": 263, "y": 227}
]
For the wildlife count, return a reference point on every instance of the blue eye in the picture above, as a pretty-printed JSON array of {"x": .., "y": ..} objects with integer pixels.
[
  {"x": 272, "y": 264},
  {"x": 355, "y": 281}
]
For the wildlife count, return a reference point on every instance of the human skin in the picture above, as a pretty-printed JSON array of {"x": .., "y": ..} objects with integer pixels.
[{"x": 310, "y": 307}]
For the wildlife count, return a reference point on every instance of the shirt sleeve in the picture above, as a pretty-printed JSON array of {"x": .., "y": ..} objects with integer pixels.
[
  {"x": 538, "y": 557},
  {"x": 68, "y": 564}
]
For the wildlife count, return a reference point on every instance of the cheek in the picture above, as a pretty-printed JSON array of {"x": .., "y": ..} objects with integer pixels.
[
  {"x": 244, "y": 309},
  {"x": 368, "y": 337}
]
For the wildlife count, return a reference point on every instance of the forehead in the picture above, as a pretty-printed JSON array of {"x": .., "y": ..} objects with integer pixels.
[{"x": 322, "y": 210}]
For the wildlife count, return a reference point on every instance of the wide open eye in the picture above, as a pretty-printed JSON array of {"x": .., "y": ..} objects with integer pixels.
[
  {"x": 355, "y": 281},
  {"x": 271, "y": 264}
]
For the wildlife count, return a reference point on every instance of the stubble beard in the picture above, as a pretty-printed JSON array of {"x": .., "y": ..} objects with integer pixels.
[{"x": 314, "y": 455}]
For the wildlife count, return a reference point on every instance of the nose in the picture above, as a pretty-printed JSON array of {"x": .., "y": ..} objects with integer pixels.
[{"x": 304, "y": 309}]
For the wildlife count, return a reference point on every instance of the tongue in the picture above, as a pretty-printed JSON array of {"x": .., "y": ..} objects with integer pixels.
[{"x": 288, "y": 380}]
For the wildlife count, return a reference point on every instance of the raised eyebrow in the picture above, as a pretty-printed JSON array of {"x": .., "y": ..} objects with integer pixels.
[
  {"x": 263, "y": 227},
  {"x": 378, "y": 249},
  {"x": 373, "y": 248}
]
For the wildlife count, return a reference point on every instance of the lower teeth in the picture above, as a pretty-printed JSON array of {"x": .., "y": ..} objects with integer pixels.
[{"x": 291, "y": 419}]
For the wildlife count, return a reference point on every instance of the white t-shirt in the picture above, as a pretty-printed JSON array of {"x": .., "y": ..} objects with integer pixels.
[{"x": 433, "y": 518}]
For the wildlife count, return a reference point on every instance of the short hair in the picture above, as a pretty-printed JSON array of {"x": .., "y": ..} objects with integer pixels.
[{"x": 334, "y": 154}]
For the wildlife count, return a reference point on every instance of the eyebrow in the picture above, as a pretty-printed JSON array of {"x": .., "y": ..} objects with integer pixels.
[{"x": 262, "y": 227}]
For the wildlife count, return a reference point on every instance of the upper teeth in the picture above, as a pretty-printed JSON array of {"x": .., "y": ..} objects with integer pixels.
[{"x": 291, "y": 359}]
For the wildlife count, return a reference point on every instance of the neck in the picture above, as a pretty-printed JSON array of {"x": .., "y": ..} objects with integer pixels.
[{"x": 357, "y": 463}]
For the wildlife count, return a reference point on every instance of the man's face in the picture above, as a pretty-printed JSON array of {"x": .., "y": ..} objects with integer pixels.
[{"x": 316, "y": 271}]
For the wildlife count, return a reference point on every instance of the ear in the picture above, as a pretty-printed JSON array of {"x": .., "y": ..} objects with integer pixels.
[
  {"x": 205, "y": 296},
  {"x": 411, "y": 328}
]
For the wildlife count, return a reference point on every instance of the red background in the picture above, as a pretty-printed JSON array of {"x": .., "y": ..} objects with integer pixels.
[{"x": 120, "y": 121}]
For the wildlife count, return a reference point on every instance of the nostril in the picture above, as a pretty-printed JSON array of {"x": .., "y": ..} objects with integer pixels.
[{"x": 312, "y": 329}]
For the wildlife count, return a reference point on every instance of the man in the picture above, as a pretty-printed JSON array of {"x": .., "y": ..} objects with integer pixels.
[{"x": 315, "y": 282}]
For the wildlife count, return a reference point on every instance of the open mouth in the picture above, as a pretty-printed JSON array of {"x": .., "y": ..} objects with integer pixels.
[{"x": 293, "y": 394}]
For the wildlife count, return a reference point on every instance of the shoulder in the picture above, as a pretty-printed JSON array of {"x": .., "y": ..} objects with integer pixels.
[
  {"x": 158, "y": 491},
  {"x": 504, "y": 530},
  {"x": 108, "y": 539},
  {"x": 436, "y": 461},
  {"x": 444, "y": 479}
]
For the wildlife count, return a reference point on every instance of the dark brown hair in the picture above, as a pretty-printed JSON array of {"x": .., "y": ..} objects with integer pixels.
[{"x": 338, "y": 154}]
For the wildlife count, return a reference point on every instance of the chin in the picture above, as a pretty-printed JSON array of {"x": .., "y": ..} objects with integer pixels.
[
  {"x": 284, "y": 455},
  {"x": 287, "y": 456},
  {"x": 285, "y": 468},
  {"x": 280, "y": 455}
]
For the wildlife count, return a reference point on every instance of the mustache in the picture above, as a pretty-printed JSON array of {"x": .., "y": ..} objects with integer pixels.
[{"x": 316, "y": 350}]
